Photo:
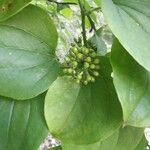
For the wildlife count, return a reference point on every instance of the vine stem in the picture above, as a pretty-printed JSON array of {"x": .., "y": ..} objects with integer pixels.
[
  {"x": 63, "y": 3},
  {"x": 83, "y": 22}
]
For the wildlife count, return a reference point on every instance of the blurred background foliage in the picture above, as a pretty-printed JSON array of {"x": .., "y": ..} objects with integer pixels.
[{"x": 67, "y": 18}]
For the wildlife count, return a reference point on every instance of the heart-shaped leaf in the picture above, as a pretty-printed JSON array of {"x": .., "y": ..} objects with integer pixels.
[
  {"x": 42, "y": 27},
  {"x": 132, "y": 83},
  {"x": 22, "y": 124},
  {"x": 128, "y": 138},
  {"x": 27, "y": 65},
  {"x": 129, "y": 20},
  {"x": 10, "y": 7},
  {"x": 83, "y": 114}
]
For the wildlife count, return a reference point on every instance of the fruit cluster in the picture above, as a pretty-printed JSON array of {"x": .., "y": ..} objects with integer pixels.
[{"x": 82, "y": 64}]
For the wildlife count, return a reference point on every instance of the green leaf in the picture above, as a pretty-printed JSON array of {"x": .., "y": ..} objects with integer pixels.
[
  {"x": 132, "y": 83},
  {"x": 142, "y": 145},
  {"x": 128, "y": 138},
  {"x": 22, "y": 124},
  {"x": 124, "y": 139},
  {"x": 129, "y": 20},
  {"x": 66, "y": 12},
  {"x": 27, "y": 65},
  {"x": 56, "y": 148},
  {"x": 99, "y": 44},
  {"x": 83, "y": 114},
  {"x": 97, "y": 2},
  {"x": 37, "y": 22},
  {"x": 10, "y": 7}
]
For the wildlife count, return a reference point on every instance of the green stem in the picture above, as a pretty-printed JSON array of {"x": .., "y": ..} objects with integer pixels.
[
  {"x": 83, "y": 22},
  {"x": 91, "y": 23},
  {"x": 63, "y": 3},
  {"x": 94, "y": 9}
]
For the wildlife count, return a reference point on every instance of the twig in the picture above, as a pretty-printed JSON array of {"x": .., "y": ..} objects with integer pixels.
[
  {"x": 83, "y": 22},
  {"x": 62, "y": 3},
  {"x": 91, "y": 23},
  {"x": 94, "y": 9}
]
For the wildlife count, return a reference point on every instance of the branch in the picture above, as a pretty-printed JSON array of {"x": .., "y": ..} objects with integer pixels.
[
  {"x": 83, "y": 22},
  {"x": 94, "y": 9},
  {"x": 91, "y": 23},
  {"x": 62, "y": 3}
]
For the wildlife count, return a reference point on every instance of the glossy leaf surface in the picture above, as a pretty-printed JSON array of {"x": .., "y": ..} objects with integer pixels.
[
  {"x": 129, "y": 20},
  {"x": 128, "y": 138},
  {"x": 83, "y": 114},
  {"x": 10, "y": 7},
  {"x": 22, "y": 124},
  {"x": 132, "y": 83},
  {"x": 27, "y": 65}
]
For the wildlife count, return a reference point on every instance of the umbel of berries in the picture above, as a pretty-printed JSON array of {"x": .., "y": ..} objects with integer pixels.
[{"x": 82, "y": 64}]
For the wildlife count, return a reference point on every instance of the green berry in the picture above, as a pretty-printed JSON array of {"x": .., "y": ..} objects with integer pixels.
[
  {"x": 79, "y": 77},
  {"x": 88, "y": 78},
  {"x": 93, "y": 54},
  {"x": 85, "y": 50},
  {"x": 78, "y": 81},
  {"x": 96, "y": 61},
  {"x": 72, "y": 54},
  {"x": 80, "y": 56},
  {"x": 74, "y": 64},
  {"x": 65, "y": 70},
  {"x": 75, "y": 50},
  {"x": 92, "y": 79},
  {"x": 91, "y": 50},
  {"x": 70, "y": 71},
  {"x": 92, "y": 66},
  {"x": 67, "y": 59},
  {"x": 88, "y": 59},
  {"x": 95, "y": 73},
  {"x": 85, "y": 82},
  {"x": 86, "y": 65},
  {"x": 72, "y": 58}
]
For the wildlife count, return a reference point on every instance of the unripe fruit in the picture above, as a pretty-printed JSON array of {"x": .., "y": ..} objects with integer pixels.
[
  {"x": 79, "y": 77},
  {"x": 72, "y": 54},
  {"x": 93, "y": 54},
  {"x": 67, "y": 59},
  {"x": 92, "y": 79},
  {"x": 82, "y": 64},
  {"x": 70, "y": 71},
  {"x": 88, "y": 78},
  {"x": 78, "y": 81},
  {"x": 88, "y": 59},
  {"x": 74, "y": 64},
  {"x": 95, "y": 73},
  {"x": 86, "y": 65},
  {"x": 91, "y": 50},
  {"x": 65, "y": 70},
  {"x": 80, "y": 56},
  {"x": 85, "y": 50},
  {"x": 85, "y": 82},
  {"x": 92, "y": 66},
  {"x": 75, "y": 50},
  {"x": 72, "y": 58},
  {"x": 96, "y": 61}
]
